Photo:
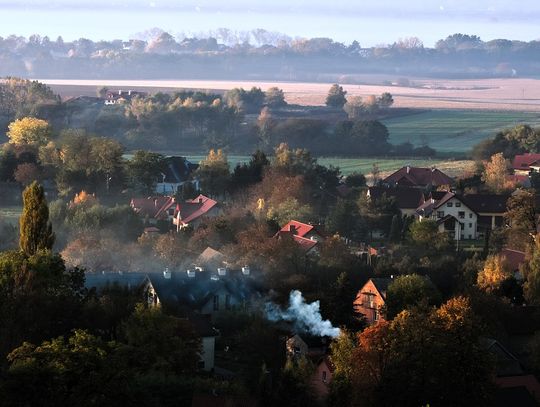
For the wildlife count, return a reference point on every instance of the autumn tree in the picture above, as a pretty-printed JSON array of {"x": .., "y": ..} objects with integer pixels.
[
  {"x": 354, "y": 107},
  {"x": 274, "y": 97},
  {"x": 29, "y": 131},
  {"x": 145, "y": 169},
  {"x": 213, "y": 172},
  {"x": 531, "y": 287},
  {"x": 35, "y": 229},
  {"x": 521, "y": 216},
  {"x": 336, "y": 96},
  {"x": 495, "y": 172},
  {"x": 265, "y": 123},
  {"x": 26, "y": 173},
  {"x": 495, "y": 272}
]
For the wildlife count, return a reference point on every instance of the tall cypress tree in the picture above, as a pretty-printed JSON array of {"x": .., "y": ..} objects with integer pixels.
[{"x": 35, "y": 229}]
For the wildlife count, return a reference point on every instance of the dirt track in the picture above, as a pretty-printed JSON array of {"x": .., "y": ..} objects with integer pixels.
[{"x": 486, "y": 94}]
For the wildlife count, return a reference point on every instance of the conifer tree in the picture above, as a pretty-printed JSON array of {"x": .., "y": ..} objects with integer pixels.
[{"x": 35, "y": 229}]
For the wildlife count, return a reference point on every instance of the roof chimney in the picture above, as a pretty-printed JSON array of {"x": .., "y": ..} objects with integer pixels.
[
  {"x": 245, "y": 270},
  {"x": 222, "y": 271},
  {"x": 408, "y": 168},
  {"x": 292, "y": 229},
  {"x": 191, "y": 273},
  {"x": 167, "y": 274}
]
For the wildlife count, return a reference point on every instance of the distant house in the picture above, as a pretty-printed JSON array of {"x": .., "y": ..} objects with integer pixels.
[
  {"x": 523, "y": 164},
  {"x": 306, "y": 235},
  {"x": 176, "y": 172},
  {"x": 322, "y": 377},
  {"x": 371, "y": 299},
  {"x": 305, "y": 345},
  {"x": 417, "y": 177},
  {"x": 121, "y": 96},
  {"x": 155, "y": 208},
  {"x": 193, "y": 211},
  {"x": 407, "y": 200},
  {"x": 452, "y": 215}
]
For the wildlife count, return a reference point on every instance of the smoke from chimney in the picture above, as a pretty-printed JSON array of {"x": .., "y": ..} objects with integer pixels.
[{"x": 306, "y": 317}]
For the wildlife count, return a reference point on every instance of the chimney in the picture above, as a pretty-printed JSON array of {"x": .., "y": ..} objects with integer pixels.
[
  {"x": 200, "y": 199},
  {"x": 191, "y": 273},
  {"x": 129, "y": 92},
  {"x": 155, "y": 202},
  {"x": 408, "y": 168},
  {"x": 222, "y": 271},
  {"x": 245, "y": 270},
  {"x": 167, "y": 274},
  {"x": 292, "y": 229}
]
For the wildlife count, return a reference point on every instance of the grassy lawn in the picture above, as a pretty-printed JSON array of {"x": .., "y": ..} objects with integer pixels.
[
  {"x": 449, "y": 131},
  {"x": 10, "y": 214}
]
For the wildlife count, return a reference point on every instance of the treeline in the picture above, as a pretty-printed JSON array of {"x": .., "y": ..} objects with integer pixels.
[
  {"x": 238, "y": 121},
  {"x": 271, "y": 57}
]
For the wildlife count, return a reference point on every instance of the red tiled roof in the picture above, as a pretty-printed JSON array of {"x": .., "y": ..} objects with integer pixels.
[
  {"x": 523, "y": 161},
  {"x": 305, "y": 244},
  {"x": 154, "y": 207},
  {"x": 299, "y": 228},
  {"x": 417, "y": 176},
  {"x": 194, "y": 208}
]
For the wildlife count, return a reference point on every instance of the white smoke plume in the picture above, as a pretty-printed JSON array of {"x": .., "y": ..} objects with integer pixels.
[{"x": 306, "y": 317}]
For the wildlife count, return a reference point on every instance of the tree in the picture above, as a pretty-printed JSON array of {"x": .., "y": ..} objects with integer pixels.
[
  {"x": 354, "y": 107},
  {"x": 521, "y": 216},
  {"x": 494, "y": 274},
  {"x": 35, "y": 229},
  {"x": 213, "y": 173},
  {"x": 274, "y": 97},
  {"x": 355, "y": 180},
  {"x": 265, "y": 124},
  {"x": 531, "y": 287},
  {"x": 385, "y": 100},
  {"x": 495, "y": 172},
  {"x": 396, "y": 229},
  {"x": 26, "y": 173},
  {"x": 29, "y": 131},
  {"x": 336, "y": 96},
  {"x": 426, "y": 234},
  {"x": 144, "y": 170},
  {"x": 409, "y": 291}
]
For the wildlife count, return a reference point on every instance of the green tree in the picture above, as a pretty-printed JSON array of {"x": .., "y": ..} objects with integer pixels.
[
  {"x": 531, "y": 287},
  {"x": 336, "y": 96},
  {"x": 274, "y": 97},
  {"x": 426, "y": 234},
  {"x": 213, "y": 173},
  {"x": 35, "y": 229},
  {"x": 144, "y": 170},
  {"x": 521, "y": 216},
  {"x": 409, "y": 291},
  {"x": 385, "y": 100},
  {"x": 396, "y": 229},
  {"x": 29, "y": 131}
]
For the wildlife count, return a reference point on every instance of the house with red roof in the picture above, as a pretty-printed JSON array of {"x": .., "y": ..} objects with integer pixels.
[
  {"x": 154, "y": 208},
  {"x": 306, "y": 235},
  {"x": 193, "y": 211},
  {"x": 417, "y": 177},
  {"x": 371, "y": 299},
  {"x": 523, "y": 164}
]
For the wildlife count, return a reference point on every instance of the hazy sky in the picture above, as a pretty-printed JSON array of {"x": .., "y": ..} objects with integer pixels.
[{"x": 369, "y": 22}]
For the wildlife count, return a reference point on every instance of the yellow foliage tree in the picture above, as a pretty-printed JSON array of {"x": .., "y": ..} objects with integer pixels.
[
  {"x": 495, "y": 172},
  {"x": 29, "y": 131},
  {"x": 495, "y": 272},
  {"x": 84, "y": 198}
]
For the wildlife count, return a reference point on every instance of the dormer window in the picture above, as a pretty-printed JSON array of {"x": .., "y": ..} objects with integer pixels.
[
  {"x": 450, "y": 204},
  {"x": 458, "y": 204}
]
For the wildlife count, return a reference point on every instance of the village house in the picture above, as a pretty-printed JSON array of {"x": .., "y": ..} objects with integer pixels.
[
  {"x": 193, "y": 211},
  {"x": 322, "y": 377},
  {"x": 452, "y": 215},
  {"x": 176, "y": 172},
  {"x": 371, "y": 298},
  {"x": 154, "y": 208},
  {"x": 121, "y": 96},
  {"x": 407, "y": 200},
  {"x": 523, "y": 164},
  {"x": 417, "y": 177},
  {"x": 307, "y": 236}
]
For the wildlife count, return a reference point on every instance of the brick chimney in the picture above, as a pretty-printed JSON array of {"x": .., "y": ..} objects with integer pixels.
[{"x": 292, "y": 229}]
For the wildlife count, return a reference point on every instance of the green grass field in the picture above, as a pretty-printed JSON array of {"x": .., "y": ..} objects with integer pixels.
[{"x": 454, "y": 131}]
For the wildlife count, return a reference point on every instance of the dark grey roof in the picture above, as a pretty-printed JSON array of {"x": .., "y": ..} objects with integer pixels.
[
  {"x": 405, "y": 198},
  {"x": 178, "y": 169},
  {"x": 490, "y": 203},
  {"x": 381, "y": 284}
]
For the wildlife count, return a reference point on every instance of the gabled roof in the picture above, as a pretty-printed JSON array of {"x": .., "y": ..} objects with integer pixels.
[
  {"x": 447, "y": 217},
  {"x": 405, "y": 198},
  {"x": 486, "y": 203},
  {"x": 299, "y": 228},
  {"x": 418, "y": 176},
  {"x": 524, "y": 161},
  {"x": 192, "y": 209},
  {"x": 381, "y": 284},
  {"x": 177, "y": 170},
  {"x": 154, "y": 207},
  {"x": 305, "y": 244}
]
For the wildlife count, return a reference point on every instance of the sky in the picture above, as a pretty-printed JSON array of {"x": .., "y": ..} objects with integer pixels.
[{"x": 370, "y": 22}]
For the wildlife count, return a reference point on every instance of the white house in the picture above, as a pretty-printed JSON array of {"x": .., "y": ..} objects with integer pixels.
[{"x": 452, "y": 215}]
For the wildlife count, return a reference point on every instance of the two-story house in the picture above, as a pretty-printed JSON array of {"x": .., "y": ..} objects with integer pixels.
[
  {"x": 371, "y": 298},
  {"x": 176, "y": 172},
  {"x": 452, "y": 215}
]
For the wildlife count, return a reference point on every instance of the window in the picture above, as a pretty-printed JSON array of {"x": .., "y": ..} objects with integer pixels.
[
  {"x": 470, "y": 236},
  {"x": 440, "y": 214},
  {"x": 458, "y": 204},
  {"x": 470, "y": 215},
  {"x": 450, "y": 204},
  {"x": 324, "y": 376},
  {"x": 227, "y": 301},
  {"x": 376, "y": 315},
  {"x": 462, "y": 226},
  {"x": 461, "y": 215},
  {"x": 216, "y": 302},
  {"x": 470, "y": 225}
]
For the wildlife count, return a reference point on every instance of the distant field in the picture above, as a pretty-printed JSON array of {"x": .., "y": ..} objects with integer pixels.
[
  {"x": 454, "y": 130},
  {"x": 365, "y": 165},
  {"x": 515, "y": 94}
]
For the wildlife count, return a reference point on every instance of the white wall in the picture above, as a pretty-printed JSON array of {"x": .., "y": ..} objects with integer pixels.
[
  {"x": 208, "y": 352},
  {"x": 469, "y": 220}
]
